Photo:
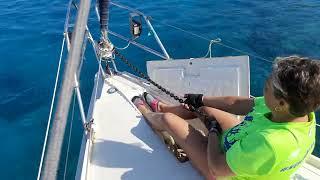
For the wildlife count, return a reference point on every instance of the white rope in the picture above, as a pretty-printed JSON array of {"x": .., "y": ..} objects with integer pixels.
[
  {"x": 51, "y": 109},
  {"x": 69, "y": 140},
  {"x": 123, "y": 48},
  {"x": 209, "y": 53}
]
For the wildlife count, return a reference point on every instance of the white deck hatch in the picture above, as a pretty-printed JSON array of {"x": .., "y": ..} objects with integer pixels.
[{"x": 219, "y": 76}]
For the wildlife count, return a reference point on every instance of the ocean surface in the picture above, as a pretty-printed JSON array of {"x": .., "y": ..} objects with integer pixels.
[{"x": 31, "y": 33}]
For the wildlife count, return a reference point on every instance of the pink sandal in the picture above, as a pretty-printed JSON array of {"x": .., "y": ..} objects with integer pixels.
[
  {"x": 137, "y": 101},
  {"x": 151, "y": 101}
]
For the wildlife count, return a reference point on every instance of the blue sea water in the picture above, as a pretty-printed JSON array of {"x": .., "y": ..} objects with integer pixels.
[{"x": 31, "y": 35}]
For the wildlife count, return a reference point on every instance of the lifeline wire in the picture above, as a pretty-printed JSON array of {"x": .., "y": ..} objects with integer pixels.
[
  {"x": 51, "y": 109},
  {"x": 220, "y": 43},
  {"x": 189, "y": 32},
  {"x": 70, "y": 133}
]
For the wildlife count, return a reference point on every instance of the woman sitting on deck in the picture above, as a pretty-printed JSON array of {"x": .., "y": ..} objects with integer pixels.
[{"x": 276, "y": 135}]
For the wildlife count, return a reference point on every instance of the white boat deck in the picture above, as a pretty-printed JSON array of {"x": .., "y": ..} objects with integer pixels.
[
  {"x": 309, "y": 170},
  {"x": 124, "y": 146}
]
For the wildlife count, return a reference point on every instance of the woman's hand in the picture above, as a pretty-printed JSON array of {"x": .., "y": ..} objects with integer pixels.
[{"x": 194, "y": 100}]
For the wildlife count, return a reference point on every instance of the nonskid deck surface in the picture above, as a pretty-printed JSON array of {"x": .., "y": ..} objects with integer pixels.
[
  {"x": 307, "y": 171},
  {"x": 125, "y": 147}
]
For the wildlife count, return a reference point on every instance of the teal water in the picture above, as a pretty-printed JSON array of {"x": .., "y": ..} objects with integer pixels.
[{"x": 31, "y": 35}]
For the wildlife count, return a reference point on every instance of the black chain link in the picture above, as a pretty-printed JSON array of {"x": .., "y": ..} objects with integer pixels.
[{"x": 175, "y": 97}]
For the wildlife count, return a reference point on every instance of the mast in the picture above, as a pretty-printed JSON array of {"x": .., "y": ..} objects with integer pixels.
[{"x": 53, "y": 154}]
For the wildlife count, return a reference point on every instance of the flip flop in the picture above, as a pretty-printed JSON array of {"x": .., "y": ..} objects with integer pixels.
[{"x": 151, "y": 101}]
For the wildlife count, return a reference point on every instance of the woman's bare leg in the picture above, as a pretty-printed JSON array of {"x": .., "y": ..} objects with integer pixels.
[
  {"x": 178, "y": 110},
  {"x": 191, "y": 140}
]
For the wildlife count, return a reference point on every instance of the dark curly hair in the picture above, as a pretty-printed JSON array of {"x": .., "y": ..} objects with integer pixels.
[{"x": 297, "y": 80}]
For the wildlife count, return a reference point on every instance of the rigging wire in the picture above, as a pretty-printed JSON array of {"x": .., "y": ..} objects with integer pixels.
[
  {"x": 191, "y": 33},
  {"x": 244, "y": 52},
  {"x": 219, "y": 43},
  {"x": 70, "y": 133},
  {"x": 51, "y": 109}
]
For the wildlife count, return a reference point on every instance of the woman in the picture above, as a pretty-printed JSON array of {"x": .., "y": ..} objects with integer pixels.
[{"x": 276, "y": 135}]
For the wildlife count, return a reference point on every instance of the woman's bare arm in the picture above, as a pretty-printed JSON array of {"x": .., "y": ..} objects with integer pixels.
[
  {"x": 233, "y": 104},
  {"x": 226, "y": 120}
]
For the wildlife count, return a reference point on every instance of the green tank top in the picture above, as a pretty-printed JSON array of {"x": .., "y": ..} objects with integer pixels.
[{"x": 258, "y": 148}]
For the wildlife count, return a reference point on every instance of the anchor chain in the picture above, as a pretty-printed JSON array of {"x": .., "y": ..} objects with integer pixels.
[{"x": 169, "y": 93}]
